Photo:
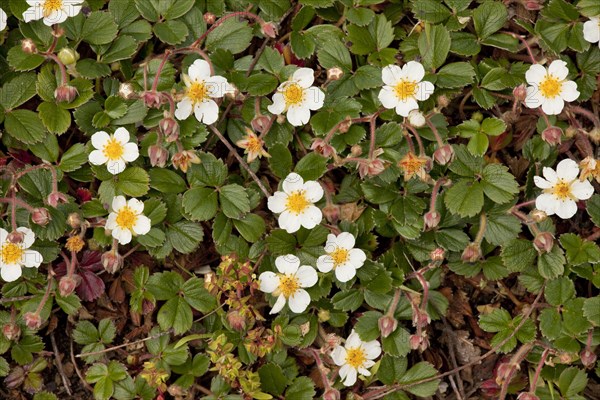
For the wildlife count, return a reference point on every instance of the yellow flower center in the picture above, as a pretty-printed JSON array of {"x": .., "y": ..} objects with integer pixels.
[
  {"x": 355, "y": 357},
  {"x": 293, "y": 94},
  {"x": 288, "y": 285},
  {"x": 254, "y": 143},
  {"x": 411, "y": 164},
  {"x": 126, "y": 218},
  {"x": 297, "y": 202},
  {"x": 405, "y": 89},
  {"x": 113, "y": 150},
  {"x": 75, "y": 243},
  {"x": 11, "y": 253},
  {"x": 550, "y": 87},
  {"x": 562, "y": 190},
  {"x": 198, "y": 92},
  {"x": 51, "y": 6},
  {"x": 340, "y": 256}
]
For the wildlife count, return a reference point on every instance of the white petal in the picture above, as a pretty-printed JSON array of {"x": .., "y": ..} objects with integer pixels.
[
  {"x": 350, "y": 377},
  {"x": 569, "y": 91},
  {"x": 391, "y": 74},
  {"x": 199, "y": 70},
  {"x": 136, "y": 205},
  {"x": 288, "y": 221},
  {"x": 122, "y": 235},
  {"x": 10, "y": 272},
  {"x": 207, "y": 112},
  {"x": 591, "y": 30},
  {"x": 534, "y": 98},
  {"x": 424, "y": 90},
  {"x": 3, "y": 235},
  {"x": 338, "y": 355},
  {"x": 307, "y": 276},
  {"x": 277, "y": 202},
  {"x": 56, "y": 17},
  {"x": 567, "y": 169},
  {"x": 269, "y": 281},
  {"x": 550, "y": 175},
  {"x": 73, "y": 10},
  {"x": 122, "y": 135},
  {"x": 314, "y": 98},
  {"x": 403, "y": 108},
  {"x": 28, "y": 237},
  {"x": 298, "y": 116},
  {"x": 583, "y": 190},
  {"x": 287, "y": 264},
  {"x": 111, "y": 222},
  {"x": 372, "y": 349},
  {"x": 353, "y": 340},
  {"x": 299, "y": 301},
  {"x": 97, "y": 157},
  {"x": 278, "y": 306},
  {"x": 547, "y": 203},
  {"x": 118, "y": 203},
  {"x": 553, "y": 106},
  {"x": 559, "y": 69},
  {"x": 565, "y": 209},
  {"x": 345, "y": 272},
  {"x": 293, "y": 182},
  {"x": 357, "y": 257},
  {"x": 413, "y": 71},
  {"x": 115, "y": 166},
  {"x": 217, "y": 86},
  {"x": 31, "y": 259},
  {"x": 364, "y": 371},
  {"x": 311, "y": 217},
  {"x": 99, "y": 139},
  {"x": 541, "y": 182},
  {"x": 346, "y": 240},
  {"x": 313, "y": 191},
  {"x": 142, "y": 225},
  {"x": 131, "y": 152},
  {"x": 278, "y": 106},
  {"x": 387, "y": 97},
  {"x": 304, "y": 76},
  {"x": 184, "y": 109},
  {"x": 325, "y": 263},
  {"x": 535, "y": 74},
  {"x": 31, "y": 14}
]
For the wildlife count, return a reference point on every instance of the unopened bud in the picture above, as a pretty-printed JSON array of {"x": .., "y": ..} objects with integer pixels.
[
  {"x": 533, "y": 5},
  {"x": 544, "y": 242},
  {"x": 345, "y": 125},
  {"x": 68, "y": 56},
  {"x": 65, "y": 93},
  {"x": 437, "y": 254},
  {"x": 323, "y": 315},
  {"x": 269, "y": 29},
  {"x": 236, "y": 320},
  {"x": 112, "y": 261},
  {"x": 371, "y": 168},
  {"x": 594, "y": 135},
  {"x": 40, "y": 216},
  {"x": 477, "y": 116},
  {"x": 520, "y": 92},
  {"x": 15, "y": 237},
  {"x": 148, "y": 306},
  {"x": 416, "y": 118},
  {"x": 331, "y": 213},
  {"x": 74, "y": 220},
  {"x": 570, "y": 132},
  {"x": 126, "y": 90},
  {"x": 169, "y": 128},
  {"x": 387, "y": 325},
  {"x": 152, "y": 99},
  {"x": 32, "y": 320},
  {"x": 415, "y": 341},
  {"x": 11, "y": 331},
  {"x": 281, "y": 119},
  {"x": 355, "y": 151},
  {"x": 55, "y": 198},
  {"x": 335, "y": 73},
  {"x": 67, "y": 284},
  {"x": 588, "y": 358},
  {"x": 443, "y": 101},
  {"x": 567, "y": 358},
  {"x": 260, "y": 123},
  {"x": 538, "y": 215},
  {"x": 552, "y": 135},
  {"x": 158, "y": 155},
  {"x": 527, "y": 396},
  {"x": 471, "y": 253},
  {"x": 28, "y": 46},
  {"x": 325, "y": 149},
  {"x": 444, "y": 154},
  {"x": 331, "y": 394},
  {"x": 209, "y": 18},
  {"x": 432, "y": 219},
  {"x": 503, "y": 373}
]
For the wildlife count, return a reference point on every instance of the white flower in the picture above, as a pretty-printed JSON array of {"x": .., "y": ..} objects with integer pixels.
[
  {"x": 3, "y": 18},
  {"x": 201, "y": 89},
  {"x": 416, "y": 118},
  {"x": 355, "y": 357},
  {"x": 341, "y": 256},
  {"x": 297, "y": 97},
  {"x": 127, "y": 218},
  {"x": 404, "y": 86},
  {"x": 562, "y": 189},
  {"x": 289, "y": 283},
  {"x": 549, "y": 88},
  {"x": 591, "y": 30},
  {"x": 14, "y": 256},
  {"x": 295, "y": 203},
  {"x": 52, "y": 11},
  {"x": 113, "y": 150}
]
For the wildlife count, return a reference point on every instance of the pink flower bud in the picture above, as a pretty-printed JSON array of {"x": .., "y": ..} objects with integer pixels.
[
  {"x": 520, "y": 92},
  {"x": 371, "y": 168},
  {"x": 355, "y": 151},
  {"x": 432, "y": 219},
  {"x": 28, "y": 46},
  {"x": 544, "y": 242},
  {"x": 67, "y": 284},
  {"x": 325, "y": 149},
  {"x": 331, "y": 213},
  {"x": 533, "y": 5},
  {"x": 260, "y": 123},
  {"x": 437, "y": 254},
  {"x": 331, "y": 394},
  {"x": 112, "y": 261},
  {"x": 552, "y": 135},
  {"x": 65, "y": 93},
  {"x": 11, "y": 331},
  {"x": 588, "y": 358},
  {"x": 471, "y": 253},
  {"x": 444, "y": 154},
  {"x": 421, "y": 319},
  {"x": 32, "y": 320},
  {"x": 170, "y": 128},
  {"x": 415, "y": 341},
  {"x": 527, "y": 396},
  {"x": 335, "y": 73},
  {"x": 15, "y": 237},
  {"x": 269, "y": 29},
  {"x": 147, "y": 306},
  {"x": 40, "y": 216},
  {"x": 504, "y": 372},
  {"x": 345, "y": 125},
  {"x": 55, "y": 198},
  {"x": 387, "y": 325},
  {"x": 158, "y": 155},
  {"x": 236, "y": 320},
  {"x": 152, "y": 99},
  {"x": 209, "y": 18}
]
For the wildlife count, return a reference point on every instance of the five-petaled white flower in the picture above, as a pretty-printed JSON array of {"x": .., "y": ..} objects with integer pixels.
[
  {"x": 15, "y": 254},
  {"x": 201, "y": 89},
  {"x": 297, "y": 97},
  {"x": 113, "y": 150},
  {"x": 126, "y": 219},
  {"x": 355, "y": 357},
  {"x": 289, "y": 283},
  {"x": 3, "y": 18},
  {"x": 562, "y": 189},
  {"x": 549, "y": 87},
  {"x": 341, "y": 256},
  {"x": 295, "y": 203},
  {"x": 591, "y": 30},
  {"x": 404, "y": 86},
  {"x": 52, "y": 11}
]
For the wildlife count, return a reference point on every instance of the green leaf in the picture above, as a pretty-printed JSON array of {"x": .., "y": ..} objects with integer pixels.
[
  {"x": 311, "y": 167},
  {"x": 234, "y": 201},
  {"x": 418, "y": 372},
  {"x": 251, "y": 227},
  {"x": 99, "y": 28},
  {"x": 261, "y": 84},
  {"x": 572, "y": 381},
  {"x": 430, "y": 11},
  {"x": 280, "y": 161},
  {"x": 302, "y": 388},
  {"x": 17, "y": 91},
  {"x": 25, "y": 126},
  {"x": 591, "y": 310},
  {"x": 580, "y": 251},
  {"x": 233, "y": 35},
  {"x": 200, "y": 203},
  {"x": 56, "y": 119},
  {"x": 559, "y": 291},
  {"x": 455, "y": 75},
  {"x": 498, "y": 184},
  {"x": 121, "y": 48},
  {"x": 518, "y": 255},
  {"x": 185, "y": 236},
  {"x": 489, "y": 17},
  {"x": 177, "y": 314},
  {"x": 349, "y": 300},
  {"x": 593, "y": 208},
  {"x": 551, "y": 265},
  {"x": 377, "y": 36},
  {"x": 171, "y": 32},
  {"x": 335, "y": 54},
  {"x": 434, "y": 45},
  {"x": 589, "y": 8},
  {"x": 134, "y": 182},
  {"x": 166, "y": 181},
  {"x": 465, "y": 198},
  {"x": 366, "y": 326},
  {"x": 272, "y": 379},
  {"x": 398, "y": 343},
  {"x": 21, "y": 61}
]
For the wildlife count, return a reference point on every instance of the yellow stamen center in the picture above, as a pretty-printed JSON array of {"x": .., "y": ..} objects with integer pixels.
[
  {"x": 340, "y": 256},
  {"x": 51, "y": 6},
  {"x": 405, "y": 89},
  {"x": 293, "y": 94},
  {"x": 550, "y": 87},
  {"x": 126, "y": 218},
  {"x": 11, "y": 253},
  {"x": 562, "y": 190},
  {"x": 198, "y": 92},
  {"x": 411, "y": 164},
  {"x": 75, "y": 243},
  {"x": 297, "y": 202},
  {"x": 254, "y": 144},
  {"x": 288, "y": 285},
  {"x": 113, "y": 150},
  {"x": 355, "y": 357}
]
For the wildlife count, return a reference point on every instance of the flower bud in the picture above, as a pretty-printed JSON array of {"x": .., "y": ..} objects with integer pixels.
[
  {"x": 15, "y": 237},
  {"x": 437, "y": 254},
  {"x": 236, "y": 320},
  {"x": 355, "y": 151},
  {"x": 415, "y": 341},
  {"x": 432, "y": 219},
  {"x": 15, "y": 378},
  {"x": 416, "y": 118},
  {"x": 471, "y": 253},
  {"x": 269, "y": 29},
  {"x": 503, "y": 372},
  {"x": 74, "y": 220},
  {"x": 148, "y": 306},
  {"x": 527, "y": 396},
  {"x": 11, "y": 331},
  {"x": 65, "y": 93},
  {"x": 571, "y": 132},
  {"x": 67, "y": 284},
  {"x": 371, "y": 168},
  {"x": 544, "y": 242},
  {"x": 387, "y": 325},
  {"x": 566, "y": 357},
  {"x": 588, "y": 358},
  {"x": 552, "y": 135},
  {"x": 40, "y": 216},
  {"x": 32, "y": 320},
  {"x": 331, "y": 213},
  {"x": 335, "y": 73},
  {"x": 331, "y": 394},
  {"x": 55, "y": 198},
  {"x": 443, "y": 101},
  {"x": 28, "y": 46},
  {"x": 520, "y": 92},
  {"x": 538, "y": 215},
  {"x": 325, "y": 149},
  {"x": 84, "y": 195},
  {"x": 323, "y": 315},
  {"x": 477, "y": 116},
  {"x": 533, "y": 5},
  {"x": 594, "y": 135},
  {"x": 444, "y": 154},
  {"x": 345, "y": 125},
  {"x": 158, "y": 155},
  {"x": 170, "y": 128},
  {"x": 126, "y": 90},
  {"x": 152, "y": 99},
  {"x": 280, "y": 119},
  {"x": 68, "y": 56},
  {"x": 209, "y": 18},
  {"x": 112, "y": 261},
  {"x": 260, "y": 122}
]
